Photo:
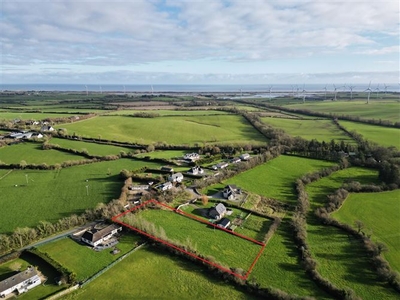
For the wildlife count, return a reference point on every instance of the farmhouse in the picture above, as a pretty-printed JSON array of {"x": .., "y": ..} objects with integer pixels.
[
  {"x": 224, "y": 223},
  {"x": 235, "y": 160},
  {"x": 95, "y": 236},
  {"x": 166, "y": 186},
  {"x": 191, "y": 156},
  {"x": 177, "y": 177},
  {"x": 46, "y": 128},
  {"x": 167, "y": 169},
  {"x": 221, "y": 165},
  {"x": 20, "y": 283},
  {"x": 217, "y": 212},
  {"x": 196, "y": 170},
  {"x": 244, "y": 156},
  {"x": 231, "y": 191}
]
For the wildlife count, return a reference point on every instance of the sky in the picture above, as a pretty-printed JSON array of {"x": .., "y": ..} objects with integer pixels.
[{"x": 199, "y": 41}]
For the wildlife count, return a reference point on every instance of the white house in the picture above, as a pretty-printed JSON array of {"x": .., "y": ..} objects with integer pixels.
[
  {"x": 45, "y": 128},
  {"x": 221, "y": 165},
  {"x": 96, "y": 236},
  {"x": 20, "y": 283},
  {"x": 166, "y": 186},
  {"x": 231, "y": 191},
  {"x": 244, "y": 156},
  {"x": 177, "y": 177},
  {"x": 191, "y": 156},
  {"x": 196, "y": 170}
]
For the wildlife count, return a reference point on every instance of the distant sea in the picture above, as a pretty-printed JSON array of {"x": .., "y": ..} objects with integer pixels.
[{"x": 182, "y": 88}]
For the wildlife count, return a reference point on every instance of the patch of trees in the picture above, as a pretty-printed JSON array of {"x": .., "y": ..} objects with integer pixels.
[{"x": 145, "y": 115}]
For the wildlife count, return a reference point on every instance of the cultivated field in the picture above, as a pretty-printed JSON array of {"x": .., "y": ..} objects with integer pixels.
[
  {"x": 383, "y": 136},
  {"x": 379, "y": 212},
  {"x": 321, "y": 130},
  {"x": 177, "y": 130}
]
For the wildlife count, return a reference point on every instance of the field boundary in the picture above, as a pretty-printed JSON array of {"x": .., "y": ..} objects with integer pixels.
[{"x": 213, "y": 264}]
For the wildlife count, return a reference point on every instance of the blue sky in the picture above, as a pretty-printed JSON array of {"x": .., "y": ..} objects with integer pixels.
[{"x": 204, "y": 42}]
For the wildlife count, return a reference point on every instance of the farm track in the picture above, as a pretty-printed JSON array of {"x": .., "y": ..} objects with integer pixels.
[{"x": 6, "y": 174}]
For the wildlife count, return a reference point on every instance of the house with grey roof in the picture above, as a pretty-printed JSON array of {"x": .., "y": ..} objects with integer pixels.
[
  {"x": 217, "y": 212},
  {"x": 177, "y": 177},
  {"x": 20, "y": 283},
  {"x": 96, "y": 236}
]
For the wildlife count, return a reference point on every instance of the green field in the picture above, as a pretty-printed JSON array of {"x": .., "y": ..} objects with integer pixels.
[
  {"x": 177, "y": 130},
  {"x": 165, "y": 112},
  {"x": 379, "y": 212},
  {"x": 32, "y": 153},
  {"x": 152, "y": 274},
  {"x": 321, "y": 130},
  {"x": 71, "y": 254},
  {"x": 167, "y": 154},
  {"x": 385, "y": 110},
  {"x": 5, "y": 115},
  {"x": 383, "y": 136},
  {"x": 341, "y": 259},
  {"x": 91, "y": 148},
  {"x": 227, "y": 249},
  {"x": 275, "y": 179},
  {"x": 51, "y": 195}
]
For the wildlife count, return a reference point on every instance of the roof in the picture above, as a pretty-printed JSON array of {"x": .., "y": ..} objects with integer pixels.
[
  {"x": 17, "y": 279},
  {"x": 220, "y": 208},
  {"x": 224, "y": 222},
  {"x": 95, "y": 234}
]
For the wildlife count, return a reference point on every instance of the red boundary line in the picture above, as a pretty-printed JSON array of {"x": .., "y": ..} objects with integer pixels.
[{"x": 115, "y": 219}]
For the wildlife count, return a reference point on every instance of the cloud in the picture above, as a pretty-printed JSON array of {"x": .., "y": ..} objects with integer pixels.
[{"x": 381, "y": 51}]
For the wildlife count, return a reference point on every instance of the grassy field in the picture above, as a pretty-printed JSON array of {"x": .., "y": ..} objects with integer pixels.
[
  {"x": 153, "y": 274},
  {"x": 5, "y": 115},
  {"x": 379, "y": 212},
  {"x": 321, "y": 130},
  {"x": 273, "y": 179},
  {"x": 71, "y": 254},
  {"x": 177, "y": 130},
  {"x": 383, "y": 136},
  {"x": 166, "y": 112},
  {"x": 341, "y": 260},
  {"x": 32, "y": 153},
  {"x": 168, "y": 154},
  {"x": 227, "y": 249},
  {"x": 92, "y": 148},
  {"x": 385, "y": 110},
  {"x": 51, "y": 195}
]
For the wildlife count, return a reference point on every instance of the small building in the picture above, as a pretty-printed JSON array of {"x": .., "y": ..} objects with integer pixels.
[
  {"x": 231, "y": 191},
  {"x": 224, "y": 223},
  {"x": 167, "y": 169},
  {"x": 244, "y": 156},
  {"x": 96, "y": 236},
  {"x": 177, "y": 177},
  {"x": 221, "y": 165},
  {"x": 192, "y": 157},
  {"x": 217, "y": 212},
  {"x": 47, "y": 128},
  {"x": 166, "y": 186},
  {"x": 235, "y": 160},
  {"x": 196, "y": 170},
  {"x": 20, "y": 283}
]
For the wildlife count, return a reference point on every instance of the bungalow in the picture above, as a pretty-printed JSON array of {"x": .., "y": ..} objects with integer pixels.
[
  {"x": 95, "y": 236},
  {"x": 177, "y": 177},
  {"x": 244, "y": 156},
  {"x": 191, "y": 156},
  {"x": 231, "y": 191},
  {"x": 166, "y": 186},
  {"x": 45, "y": 128},
  {"x": 196, "y": 170},
  {"x": 221, "y": 165},
  {"x": 20, "y": 283},
  {"x": 167, "y": 169},
  {"x": 235, "y": 160},
  {"x": 217, "y": 212},
  {"x": 224, "y": 223}
]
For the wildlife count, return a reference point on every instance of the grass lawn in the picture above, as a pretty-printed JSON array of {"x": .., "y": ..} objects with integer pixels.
[
  {"x": 275, "y": 179},
  {"x": 230, "y": 129},
  {"x": 321, "y": 130},
  {"x": 150, "y": 273},
  {"x": 379, "y": 212},
  {"x": 383, "y": 136},
  {"x": 32, "y": 153},
  {"x": 227, "y": 249},
  {"x": 71, "y": 254},
  {"x": 92, "y": 148},
  {"x": 385, "y": 110},
  {"x": 40, "y": 292},
  {"x": 51, "y": 195},
  {"x": 341, "y": 260}
]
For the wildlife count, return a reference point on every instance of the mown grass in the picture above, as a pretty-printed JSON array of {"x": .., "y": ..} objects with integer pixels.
[
  {"x": 321, "y": 130},
  {"x": 92, "y": 148},
  {"x": 385, "y": 110},
  {"x": 172, "y": 130},
  {"x": 71, "y": 254},
  {"x": 227, "y": 249},
  {"x": 341, "y": 259},
  {"x": 383, "y": 136},
  {"x": 32, "y": 153},
  {"x": 379, "y": 213},
  {"x": 275, "y": 179},
  {"x": 150, "y": 273},
  {"x": 51, "y": 195}
]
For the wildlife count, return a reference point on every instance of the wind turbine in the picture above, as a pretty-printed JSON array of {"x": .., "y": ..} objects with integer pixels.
[
  {"x": 124, "y": 90},
  {"x": 335, "y": 91},
  {"x": 304, "y": 94},
  {"x": 369, "y": 91},
  {"x": 87, "y": 92},
  {"x": 377, "y": 91},
  {"x": 269, "y": 90},
  {"x": 241, "y": 93},
  {"x": 325, "y": 91},
  {"x": 152, "y": 90},
  {"x": 101, "y": 90},
  {"x": 293, "y": 91},
  {"x": 297, "y": 91},
  {"x": 351, "y": 87},
  {"x": 386, "y": 86}
]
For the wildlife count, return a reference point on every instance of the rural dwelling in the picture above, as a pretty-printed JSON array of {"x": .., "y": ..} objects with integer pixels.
[
  {"x": 177, "y": 177},
  {"x": 231, "y": 191},
  {"x": 224, "y": 223},
  {"x": 191, "y": 157},
  {"x": 196, "y": 170},
  {"x": 217, "y": 212},
  {"x": 235, "y": 160},
  {"x": 244, "y": 156},
  {"x": 167, "y": 169},
  {"x": 96, "y": 236},
  {"x": 166, "y": 186},
  {"x": 20, "y": 283},
  {"x": 46, "y": 128},
  {"x": 221, "y": 165}
]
